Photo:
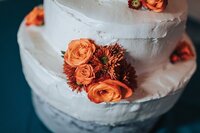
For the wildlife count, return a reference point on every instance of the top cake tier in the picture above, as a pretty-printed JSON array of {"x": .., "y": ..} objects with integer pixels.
[{"x": 149, "y": 37}]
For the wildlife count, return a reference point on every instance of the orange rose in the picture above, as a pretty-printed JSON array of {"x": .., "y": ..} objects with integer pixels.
[
  {"x": 79, "y": 52},
  {"x": 183, "y": 52},
  {"x": 35, "y": 17},
  {"x": 155, "y": 5},
  {"x": 108, "y": 91},
  {"x": 84, "y": 74}
]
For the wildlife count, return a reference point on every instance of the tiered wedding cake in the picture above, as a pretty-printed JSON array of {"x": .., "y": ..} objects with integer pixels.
[{"x": 93, "y": 87}]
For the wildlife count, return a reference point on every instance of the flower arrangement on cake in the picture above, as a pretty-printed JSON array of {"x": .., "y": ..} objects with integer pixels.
[
  {"x": 102, "y": 71},
  {"x": 154, "y": 5}
]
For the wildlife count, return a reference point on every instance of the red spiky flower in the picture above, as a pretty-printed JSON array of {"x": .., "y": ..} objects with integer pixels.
[{"x": 135, "y": 4}]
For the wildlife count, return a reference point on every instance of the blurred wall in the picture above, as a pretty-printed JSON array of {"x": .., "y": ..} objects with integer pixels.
[{"x": 194, "y": 9}]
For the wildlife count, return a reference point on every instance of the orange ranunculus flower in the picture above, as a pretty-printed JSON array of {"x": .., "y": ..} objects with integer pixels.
[
  {"x": 35, "y": 17},
  {"x": 79, "y": 52},
  {"x": 84, "y": 74},
  {"x": 108, "y": 91},
  {"x": 183, "y": 52},
  {"x": 155, "y": 5}
]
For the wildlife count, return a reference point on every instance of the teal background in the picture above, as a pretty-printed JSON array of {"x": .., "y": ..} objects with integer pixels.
[{"x": 16, "y": 111}]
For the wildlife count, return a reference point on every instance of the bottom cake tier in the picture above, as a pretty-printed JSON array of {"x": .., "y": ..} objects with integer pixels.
[{"x": 59, "y": 122}]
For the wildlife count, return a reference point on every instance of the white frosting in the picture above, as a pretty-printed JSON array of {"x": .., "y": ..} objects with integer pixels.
[
  {"x": 42, "y": 65},
  {"x": 149, "y": 37},
  {"x": 59, "y": 122}
]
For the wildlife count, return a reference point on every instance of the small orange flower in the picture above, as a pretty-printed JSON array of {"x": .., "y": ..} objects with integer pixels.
[
  {"x": 182, "y": 53},
  {"x": 79, "y": 52},
  {"x": 108, "y": 91},
  {"x": 84, "y": 74},
  {"x": 155, "y": 5},
  {"x": 35, "y": 17}
]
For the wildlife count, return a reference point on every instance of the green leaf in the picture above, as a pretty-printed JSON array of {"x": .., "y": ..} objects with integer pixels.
[
  {"x": 104, "y": 59},
  {"x": 63, "y": 52}
]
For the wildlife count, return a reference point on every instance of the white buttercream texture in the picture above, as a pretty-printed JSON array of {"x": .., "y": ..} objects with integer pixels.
[
  {"x": 149, "y": 37},
  {"x": 42, "y": 65}
]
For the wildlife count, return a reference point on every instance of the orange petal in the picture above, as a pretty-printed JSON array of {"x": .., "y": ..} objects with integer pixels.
[{"x": 127, "y": 91}]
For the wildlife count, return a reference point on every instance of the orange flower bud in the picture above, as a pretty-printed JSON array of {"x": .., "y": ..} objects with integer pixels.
[{"x": 35, "y": 17}]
